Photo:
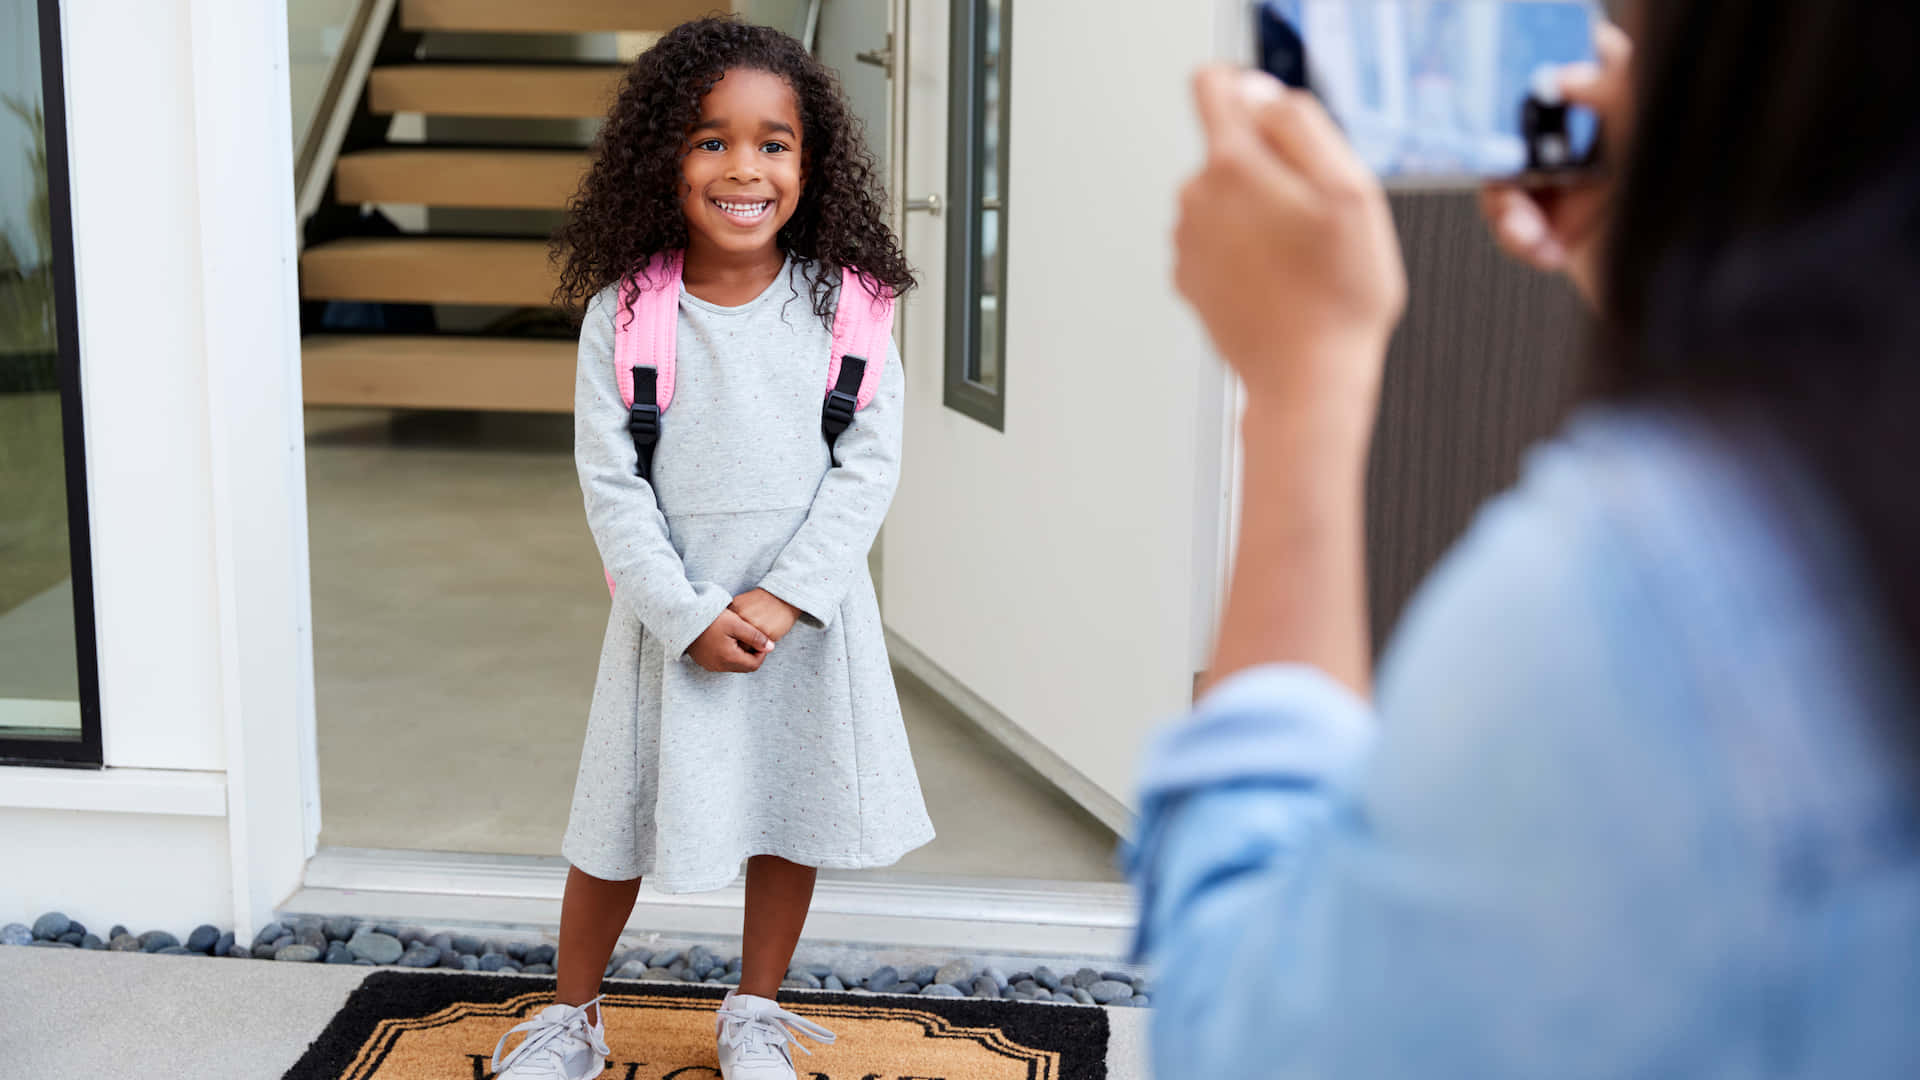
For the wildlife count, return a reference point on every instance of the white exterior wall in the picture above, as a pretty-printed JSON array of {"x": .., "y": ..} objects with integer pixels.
[{"x": 179, "y": 154}]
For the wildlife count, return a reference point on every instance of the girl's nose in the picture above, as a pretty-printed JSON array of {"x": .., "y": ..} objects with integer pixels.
[{"x": 742, "y": 167}]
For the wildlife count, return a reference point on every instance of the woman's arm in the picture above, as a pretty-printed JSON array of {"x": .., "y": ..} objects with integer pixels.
[
  {"x": 622, "y": 510},
  {"x": 812, "y": 573}
]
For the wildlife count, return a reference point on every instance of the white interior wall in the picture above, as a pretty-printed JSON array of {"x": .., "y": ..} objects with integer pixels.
[{"x": 1064, "y": 570}]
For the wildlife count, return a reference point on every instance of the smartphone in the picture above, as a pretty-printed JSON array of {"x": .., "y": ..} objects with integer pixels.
[{"x": 1442, "y": 93}]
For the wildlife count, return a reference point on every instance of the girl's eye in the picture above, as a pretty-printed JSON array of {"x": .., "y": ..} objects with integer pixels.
[
  {"x": 773, "y": 148},
  {"x": 714, "y": 145}
]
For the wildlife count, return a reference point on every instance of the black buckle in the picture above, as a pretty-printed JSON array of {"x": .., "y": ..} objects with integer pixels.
[
  {"x": 643, "y": 422},
  {"x": 839, "y": 411}
]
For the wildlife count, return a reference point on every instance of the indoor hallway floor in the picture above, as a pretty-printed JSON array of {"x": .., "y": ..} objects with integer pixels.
[{"x": 458, "y": 610}]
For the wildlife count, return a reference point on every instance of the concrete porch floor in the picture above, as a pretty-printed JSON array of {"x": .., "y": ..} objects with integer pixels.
[
  {"x": 71, "y": 1014},
  {"x": 458, "y": 609}
]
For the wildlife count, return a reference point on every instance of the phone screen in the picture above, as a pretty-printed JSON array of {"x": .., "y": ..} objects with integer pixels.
[{"x": 1434, "y": 89}]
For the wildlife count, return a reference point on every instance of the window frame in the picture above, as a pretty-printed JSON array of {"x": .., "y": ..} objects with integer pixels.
[
  {"x": 966, "y": 146},
  {"x": 86, "y": 751}
]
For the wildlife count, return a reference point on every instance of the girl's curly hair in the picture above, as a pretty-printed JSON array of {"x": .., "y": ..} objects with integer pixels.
[{"x": 628, "y": 207}]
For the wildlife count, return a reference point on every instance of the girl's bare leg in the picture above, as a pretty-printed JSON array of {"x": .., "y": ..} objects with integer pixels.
[
  {"x": 778, "y": 896},
  {"x": 593, "y": 911}
]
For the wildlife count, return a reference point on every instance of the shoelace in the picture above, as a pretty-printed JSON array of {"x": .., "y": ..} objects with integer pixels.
[
  {"x": 757, "y": 1035},
  {"x": 544, "y": 1051}
]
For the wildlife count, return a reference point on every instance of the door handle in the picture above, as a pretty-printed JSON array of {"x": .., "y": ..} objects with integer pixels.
[
  {"x": 881, "y": 58},
  {"x": 929, "y": 205}
]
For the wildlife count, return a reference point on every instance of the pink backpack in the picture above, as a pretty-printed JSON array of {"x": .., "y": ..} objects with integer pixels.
[{"x": 644, "y": 346}]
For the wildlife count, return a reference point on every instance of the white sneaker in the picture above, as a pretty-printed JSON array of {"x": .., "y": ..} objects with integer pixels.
[
  {"x": 560, "y": 1045},
  {"x": 754, "y": 1034}
]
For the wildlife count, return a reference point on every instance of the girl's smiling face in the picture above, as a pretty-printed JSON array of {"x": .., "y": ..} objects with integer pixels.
[{"x": 743, "y": 170}]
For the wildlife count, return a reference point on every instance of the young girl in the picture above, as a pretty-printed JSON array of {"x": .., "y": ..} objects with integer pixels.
[{"x": 745, "y": 709}]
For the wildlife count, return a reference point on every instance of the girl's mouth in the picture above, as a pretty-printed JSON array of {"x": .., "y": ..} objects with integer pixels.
[{"x": 744, "y": 211}]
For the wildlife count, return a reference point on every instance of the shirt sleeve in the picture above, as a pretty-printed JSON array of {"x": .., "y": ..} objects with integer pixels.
[
  {"x": 826, "y": 555},
  {"x": 622, "y": 511},
  {"x": 1480, "y": 888}
]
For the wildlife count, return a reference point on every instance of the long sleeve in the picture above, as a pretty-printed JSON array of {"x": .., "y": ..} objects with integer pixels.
[
  {"x": 1451, "y": 897},
  {"x": 622, "y": 512},
  {"x": 815, "y": 568}
]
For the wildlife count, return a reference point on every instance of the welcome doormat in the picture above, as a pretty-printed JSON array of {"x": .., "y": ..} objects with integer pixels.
[{"x": 426, "y": 1026}]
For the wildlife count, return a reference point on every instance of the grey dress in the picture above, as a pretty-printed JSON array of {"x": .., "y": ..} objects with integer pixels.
[{"x": 686, "y": 772}]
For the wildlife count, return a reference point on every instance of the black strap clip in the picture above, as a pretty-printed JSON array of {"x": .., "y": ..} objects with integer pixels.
[{"x": 643, "y": 422}]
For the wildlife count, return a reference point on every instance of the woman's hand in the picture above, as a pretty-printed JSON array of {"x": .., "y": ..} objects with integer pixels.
[
  {"x": 1558, "y": 229},
  {"x": 732, "y": 645},
  {"x": 767, "y": 612},
  {"x": 1286, "y": 248}
]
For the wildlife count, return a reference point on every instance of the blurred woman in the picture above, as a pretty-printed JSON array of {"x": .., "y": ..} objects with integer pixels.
[{"x": 1636, "y": 792}]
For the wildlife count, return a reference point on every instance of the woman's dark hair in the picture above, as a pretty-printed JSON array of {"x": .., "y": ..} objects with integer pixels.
[
  {"x": 628, "y": 206},
  {"x": 1764, "y": 259}
]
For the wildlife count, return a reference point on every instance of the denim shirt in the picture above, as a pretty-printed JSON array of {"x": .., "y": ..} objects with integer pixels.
[{"x": 1631, "y": 802}]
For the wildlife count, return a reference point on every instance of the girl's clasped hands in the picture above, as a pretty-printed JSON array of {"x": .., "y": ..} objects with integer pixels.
[{"x": 740, "y": 639}]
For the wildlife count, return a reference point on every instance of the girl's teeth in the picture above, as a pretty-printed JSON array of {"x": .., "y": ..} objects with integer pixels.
[{"x": 752, "y": 211}]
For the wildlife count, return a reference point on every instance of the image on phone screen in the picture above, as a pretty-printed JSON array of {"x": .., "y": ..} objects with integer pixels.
[{"x": 1440, "y": 88}]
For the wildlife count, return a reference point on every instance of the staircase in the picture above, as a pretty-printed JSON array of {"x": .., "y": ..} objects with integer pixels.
[{"x": 347, "y": 260}]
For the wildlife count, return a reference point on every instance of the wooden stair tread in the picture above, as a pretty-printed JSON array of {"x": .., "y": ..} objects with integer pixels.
[
  {"x": 517, "y": 90},
  {"x": 428, "y": 176},
  {"x": 438, "y": 372},
  {"x": 429, "y": 270},
  {"x": 552, "y": 16}
]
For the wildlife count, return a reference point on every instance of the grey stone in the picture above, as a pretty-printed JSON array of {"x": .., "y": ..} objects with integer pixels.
[
  {"x": 50, "y": 926},
  {"x": 904, "y": 986},
  {"x": 1064, "y": 998},
  {"x": 340, "y": 927},
  {"x": 282, "y": 942},
  {"x": 155, "y": 940},
  {"x": 632, "y": 969},
  {"x": 924, "y": 975},
  {"x": 309, "y": 922},
  {"x": 117, "y": 930},
  {"x": 384, "y": 928},
  {"x": 443, "y": 942},
  {"x": 805, "y": 979},
  {"x": 794, "y": 984},
  {"x": 541, "y": 954},
  {"x": 731, "y": 978},
  {"x": 493, "y": 961},
  {"x": 1080, "y": 995},
  {"x": 1028, "y": 986},
  {"x": 955, "y": 972},
  {"x": 57, "y": 945},
  {"x": 882, "y": 978},
  {"x": 985, "y": 987},
  {"x": 1009, "y": 994},
  {"x": 1022, "y": 995},
  {"x": 820, "y": 971},
  {"x": 999, "y": 977},
  {"x": 538, "y": 969},
  {"x": 942, "y": 990},
  {"x": 297, "y": 954},
  {"x": 469, "y": 962},
  {"x": 1045, "y": 977},
  {"x": 357, "y": 962},
  {"x": 262, "y": 951},
  {"x": 412, "y": 934},
  {"x": 665, "y": 959},
  {"x": 1107, "y": 991},
  {"x": 1140, "y": 985},
  {"x": 1019, "y": 977},
  {"x": 425, "y": 956},
  {"x": 70, "y": 938},
  {"x": 701, "y": 959},
  {"x": 1085, "y": 977},
  {"x": 680, "y": 968},
  {"x": 495, "y": 945},
  {"x": 124, "y": 943},
  {"x": 375, "y": 946},
  {"x": 660, "y": 974},
  {"x": 450, "y": 960},
  {"x": 338, "y": 953},
  {"x": 832, "y": 982},
  {"x": 1117, "y": 976},
  {"x": 1140, "y": 1001},
  {"x": 517, "y": 951},
  {"x": 734, "y": 964},
  {"x": 467, "y": 945},
  {"x": 15, "y": 934},
  {"x": 75, "y": 926},
  {"x": 312, "y": 935},
  {"x": 848, "y": 977},
  {"x": 270, "y": 932},
  {"x": 636, "y": 956},
  {"x": 223, "y": 944},
  {"x": 92, "y": 942},
  {"x": 238, "y": 951}
]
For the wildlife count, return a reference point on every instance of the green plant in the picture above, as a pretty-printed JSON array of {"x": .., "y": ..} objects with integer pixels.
[{"x": 27, "y": 343}]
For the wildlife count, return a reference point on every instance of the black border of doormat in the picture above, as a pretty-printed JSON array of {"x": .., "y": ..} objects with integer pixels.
[{"x": 1078, "y": 1033}]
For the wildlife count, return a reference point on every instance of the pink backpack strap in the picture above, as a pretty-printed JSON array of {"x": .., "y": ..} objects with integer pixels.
[
  {"x": 647, "y": 339},
  {"x": 862, "y": 325}
]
